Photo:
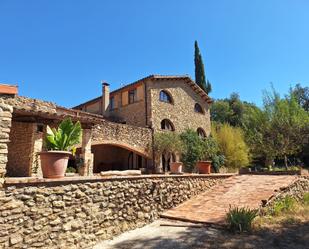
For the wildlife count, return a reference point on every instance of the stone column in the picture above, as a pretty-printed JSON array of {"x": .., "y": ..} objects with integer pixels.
[
  {"x": 5, "y": 127},
  {"x": 37, "y": 145},
  {"x": 87, "y": 169}
]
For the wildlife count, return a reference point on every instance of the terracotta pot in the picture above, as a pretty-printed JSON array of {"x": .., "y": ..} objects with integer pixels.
[
  {"x": 204, "y": 167},
  {"x": 54, "y": 163},
  {"x": 176, "y": 167}
]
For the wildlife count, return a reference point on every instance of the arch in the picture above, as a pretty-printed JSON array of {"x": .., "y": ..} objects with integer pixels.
[
  {"x": 166, "y": 124},
  {"x": 140, "y": 151},
  {"x": 201, "y": 132},
  {"x": 166, "y": 97},
  {"x": 198, "y": 108}
]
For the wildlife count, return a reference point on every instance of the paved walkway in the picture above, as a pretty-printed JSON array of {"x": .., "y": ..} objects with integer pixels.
[{"x": 244, "y": 190}]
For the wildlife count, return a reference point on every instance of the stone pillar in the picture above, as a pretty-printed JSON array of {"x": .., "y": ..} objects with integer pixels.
[
  {"x": 37, "y": 145},
  {"x": 5, "y": 127},
  {"x": 87, "y": 156}
]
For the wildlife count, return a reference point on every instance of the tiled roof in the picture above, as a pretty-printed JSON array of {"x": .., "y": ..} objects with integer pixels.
[{"x": 189, "y": 81}]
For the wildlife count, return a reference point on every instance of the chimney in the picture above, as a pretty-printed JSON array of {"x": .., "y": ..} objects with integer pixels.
[{"x": 105, "y": 98}]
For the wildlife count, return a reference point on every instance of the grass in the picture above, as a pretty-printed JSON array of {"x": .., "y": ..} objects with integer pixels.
[
  {"x": 285, "y": 212},
  {"x": 240, "y": 219}
]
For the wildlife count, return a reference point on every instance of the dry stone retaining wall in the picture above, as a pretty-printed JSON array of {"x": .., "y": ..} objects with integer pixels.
[
  {"x": 296, "y": 190},
  {"x": 78, "y": 215}
]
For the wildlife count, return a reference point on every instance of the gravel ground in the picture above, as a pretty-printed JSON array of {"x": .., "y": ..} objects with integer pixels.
[{"x": 163, "y": 234}]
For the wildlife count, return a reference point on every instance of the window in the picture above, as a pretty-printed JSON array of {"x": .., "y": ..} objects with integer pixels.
[
  {"x": 112, "y": 103},
  {"x": 132, "y": 96},
  {"x": 165, "y": 97},
  {"x": 198, "y": 108},
  {"x": 201, "y": 133},
  {"x": 167, "y": 125}
]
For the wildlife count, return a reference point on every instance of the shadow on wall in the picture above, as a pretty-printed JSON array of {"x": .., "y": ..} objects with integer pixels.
[{"x": 288, "y": 236}]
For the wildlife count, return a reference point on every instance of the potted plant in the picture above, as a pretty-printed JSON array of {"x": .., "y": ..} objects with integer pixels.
[
  {"x": 166, "y": 144},
  {"x": 59, "y": 143},
  {"x": 210, "y": 149}
]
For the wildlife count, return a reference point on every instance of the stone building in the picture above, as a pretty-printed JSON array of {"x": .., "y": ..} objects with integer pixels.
[
  {"x": 118, "y": 127},
  {"x": 161, "y": 103}
]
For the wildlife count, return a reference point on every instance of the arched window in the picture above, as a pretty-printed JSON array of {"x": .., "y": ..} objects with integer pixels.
[
  {"x": 201, "y": 133},
  {"x": 165, "y": 97},
  {"x": 198, "y": 108},
  {"x": 167, "y": 125}
]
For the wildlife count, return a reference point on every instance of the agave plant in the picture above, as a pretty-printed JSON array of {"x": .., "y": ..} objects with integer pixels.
[{"x": 64, "y": 137}]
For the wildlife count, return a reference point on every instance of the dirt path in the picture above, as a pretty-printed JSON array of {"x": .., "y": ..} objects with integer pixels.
[{"x": 183, "y": 236}]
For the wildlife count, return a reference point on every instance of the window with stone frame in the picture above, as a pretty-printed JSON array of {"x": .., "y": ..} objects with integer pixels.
[
  {"x": 165, "y": 97},
  {"x": 167, "y": 125},
  {"x": 198, "y": 108},
  {"x": 132, "y": 96}
]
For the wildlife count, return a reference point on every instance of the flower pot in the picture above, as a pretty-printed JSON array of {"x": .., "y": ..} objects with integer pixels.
[
  {"x": 54, "y": 163},
  {"x": 204, "y": 167},
  {"x": 176, "y": 167}
]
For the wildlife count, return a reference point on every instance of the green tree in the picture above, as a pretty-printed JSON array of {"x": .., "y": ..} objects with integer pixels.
[
  {"x": 193, "y": 151},
  {"x": 232, "y": 145},
  {"x": 230, "y": 110},
  {"x": 200, "y": 77},
  {"x": 302, "y": 96},
  {"x": 165, "y": 144},
  {"x": 279, "y": 130}
]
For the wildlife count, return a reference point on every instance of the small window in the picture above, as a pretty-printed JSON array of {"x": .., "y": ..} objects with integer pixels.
[
  {"x": 112, "y": 103},
  {"x": 198, "y": 108},
  {"x": 132, "y": 96},
  {"x": 165, "y": 97},
  {"x": 167, "y": 125},
  {"x": 201, "y": 133}
]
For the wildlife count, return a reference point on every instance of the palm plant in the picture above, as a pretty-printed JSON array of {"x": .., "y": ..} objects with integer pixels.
[{"x": 64, "y": 137}]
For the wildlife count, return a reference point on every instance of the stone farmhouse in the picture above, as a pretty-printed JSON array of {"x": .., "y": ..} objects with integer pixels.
[
  {"x": 118, "y": 126},
  {"x": 160, "y": 103}
]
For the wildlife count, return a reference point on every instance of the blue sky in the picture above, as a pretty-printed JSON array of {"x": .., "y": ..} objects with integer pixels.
[{"x": 60, "y": 50}]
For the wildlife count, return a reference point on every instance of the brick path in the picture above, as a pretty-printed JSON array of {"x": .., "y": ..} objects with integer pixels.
[{"x": 240, "y": 190}]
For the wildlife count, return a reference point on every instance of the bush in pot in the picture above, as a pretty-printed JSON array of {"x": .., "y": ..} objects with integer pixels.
[
  {"x": 167, "y": 143},
  {"x": 60, "y": 144},
  {"x": 193, "y": 149},
  {"x": 209, "y": 153}
]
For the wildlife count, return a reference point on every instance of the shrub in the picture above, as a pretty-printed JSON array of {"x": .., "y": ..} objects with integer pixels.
[
  {"x": 70, "y": 170},
  {"x": 232, "y": 145},
  {"x": 217, "y": 162},
  {"x": 240, "y": 219},
  {"x": 193, "y": 149},
  {"x": 196, "y": 149},
  {"x": 283, "y": 205},
  {"x": 166, "y": 143},
  {"x": 306, "y": 199}
]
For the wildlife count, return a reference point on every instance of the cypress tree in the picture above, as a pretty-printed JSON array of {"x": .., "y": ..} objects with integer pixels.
[{"x": 200, "y": 77}]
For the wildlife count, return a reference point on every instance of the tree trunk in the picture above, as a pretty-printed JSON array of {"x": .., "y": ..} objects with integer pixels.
[
  {"x": 286, "y": 162},
  {"x": 269, "y": 161}
]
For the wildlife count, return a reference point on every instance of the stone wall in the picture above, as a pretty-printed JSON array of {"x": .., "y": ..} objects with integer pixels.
[
  {"x": 134, "y": 138},
  {"x": 78, "y": 215},
  {"x": 296, "y": 190},
  {"x": 5, "y": 124},
  {"x": 20, "y": 149},
  {"x": 181, "y": 113}
]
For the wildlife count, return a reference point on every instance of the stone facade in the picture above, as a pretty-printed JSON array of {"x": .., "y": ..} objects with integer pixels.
[
  {"x": 5, "y": 125},
  {"x": 134, "y": 138},
  {"x": 78, "y": 215},
  {"x": 148, "y": 111},
  {"x": 181, "y": 112}
]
